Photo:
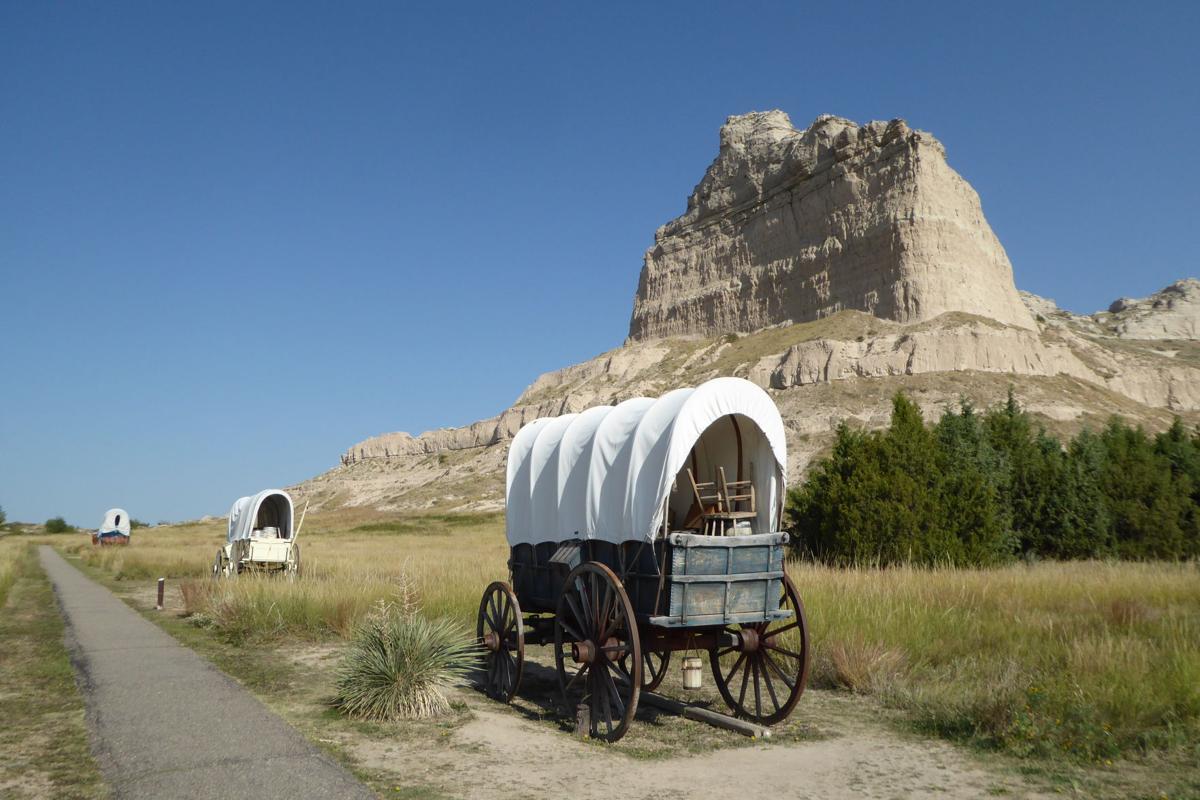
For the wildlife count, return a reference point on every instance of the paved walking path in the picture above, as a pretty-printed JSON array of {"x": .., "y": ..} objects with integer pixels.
[{"x": 167, "y": 723}]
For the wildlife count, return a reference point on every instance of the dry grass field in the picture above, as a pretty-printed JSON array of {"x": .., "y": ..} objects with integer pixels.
[
  {"x": 1089, "y": 670},
  {"x": 44, "y": 749}
]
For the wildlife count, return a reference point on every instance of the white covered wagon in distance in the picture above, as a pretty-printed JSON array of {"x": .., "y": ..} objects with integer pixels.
[
  {"x": 260, "y": 537},
  {"x": 114, "y": 529}
]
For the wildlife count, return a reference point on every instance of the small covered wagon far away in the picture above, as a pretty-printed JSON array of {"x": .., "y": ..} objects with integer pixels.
[
  {"x": 260, "y": 537},
  {"x": 114, "y": 529},
  {"x": 642, "y": 529}
]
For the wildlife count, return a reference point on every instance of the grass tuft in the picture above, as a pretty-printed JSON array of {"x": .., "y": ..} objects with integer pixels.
[{"x": 399, "y": 663}]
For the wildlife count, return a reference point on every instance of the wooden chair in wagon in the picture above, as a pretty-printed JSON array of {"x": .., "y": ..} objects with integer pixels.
[{"x": 611, "y": 563}]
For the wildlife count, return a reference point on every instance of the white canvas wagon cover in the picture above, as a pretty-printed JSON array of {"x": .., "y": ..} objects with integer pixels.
[
  {"x": 611, "y": 472},
  {"x": 116, "y": 520},
  {"x": 272, "y": 506}
]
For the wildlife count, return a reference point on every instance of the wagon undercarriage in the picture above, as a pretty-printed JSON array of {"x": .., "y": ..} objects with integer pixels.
[{"x": 606, "y": 654}]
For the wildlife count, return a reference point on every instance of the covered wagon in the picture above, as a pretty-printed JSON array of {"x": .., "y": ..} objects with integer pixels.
[
  {"x": 644, "y": 528},
  {"x": 260, "y": 536},
  {"x": 114, "y": 529}
]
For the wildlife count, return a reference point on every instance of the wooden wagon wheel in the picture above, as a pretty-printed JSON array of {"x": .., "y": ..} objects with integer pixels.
[
  {"x": 654, "y": 667},
  {"x": 594, "y": 631},
  {"x": 218, "y": 568},
  {"x": 772, "y": 663},
  {"x": 501, "y": 633}
]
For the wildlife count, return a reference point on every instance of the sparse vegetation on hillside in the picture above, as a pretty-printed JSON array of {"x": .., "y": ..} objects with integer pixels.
[{"x": 979, "y": 489}]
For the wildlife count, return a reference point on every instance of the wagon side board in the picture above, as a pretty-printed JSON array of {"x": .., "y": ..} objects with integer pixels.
[{"x": 687, "y": 580}]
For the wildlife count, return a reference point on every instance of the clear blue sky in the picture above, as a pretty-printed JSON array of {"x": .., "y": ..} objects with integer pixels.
[{"x": 236, "y": 238}]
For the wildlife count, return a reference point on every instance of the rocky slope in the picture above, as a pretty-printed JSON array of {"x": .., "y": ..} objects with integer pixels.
[
  {"x": 791, "y": 226},
  {"x": 734, "y": 287},
  {"x": 1173, "y": 313}
]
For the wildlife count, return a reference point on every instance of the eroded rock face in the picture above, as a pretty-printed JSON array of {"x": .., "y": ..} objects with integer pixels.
[
  {"x": 792, "y": 226},
  {"x": 1172, "y": 313}
]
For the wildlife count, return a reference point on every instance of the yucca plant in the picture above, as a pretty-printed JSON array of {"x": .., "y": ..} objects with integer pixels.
[{"x": 399, "y": 664}]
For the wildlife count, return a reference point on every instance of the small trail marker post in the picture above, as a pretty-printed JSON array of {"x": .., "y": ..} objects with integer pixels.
[
  {"x": 161, "y": 583},
  {"x": 583, "y": 721}
]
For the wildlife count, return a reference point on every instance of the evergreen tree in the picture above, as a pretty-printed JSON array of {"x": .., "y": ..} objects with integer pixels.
[
  {"x": 977, "y": 489},
  {"x": 1149, "y": 502},
  {"x": 969, "y": 490}
]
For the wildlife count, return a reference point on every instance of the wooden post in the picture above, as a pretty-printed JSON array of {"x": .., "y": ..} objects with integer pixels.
[
  {"x": 161, "y": 583},
  {"x": 583, "y": 720}
]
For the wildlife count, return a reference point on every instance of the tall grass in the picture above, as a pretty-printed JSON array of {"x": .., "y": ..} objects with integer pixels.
[
  {"x": 1088, "y": 658},
  {"x": 12, "y": 554},
  {"x": 1091, "y": 659}
]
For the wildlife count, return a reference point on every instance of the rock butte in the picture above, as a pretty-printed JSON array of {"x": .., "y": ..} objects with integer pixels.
[
  {"x": 791, "y": 226},
  {"x": 833, "y": 266}
]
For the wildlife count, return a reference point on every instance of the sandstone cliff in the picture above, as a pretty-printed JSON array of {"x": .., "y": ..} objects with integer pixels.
[{"x": 791, "y": 226}]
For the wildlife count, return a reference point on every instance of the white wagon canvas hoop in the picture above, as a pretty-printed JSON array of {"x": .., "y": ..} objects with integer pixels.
[
  {"x": 269, "y": 508},
  {"x": 611, "y": 473},
  {"x": 116, "y": 520}
]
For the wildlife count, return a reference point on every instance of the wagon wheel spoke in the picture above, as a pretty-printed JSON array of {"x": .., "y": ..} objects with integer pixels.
[
  {"x": 649, "y": 665},
  {"x": 505, "y": 617},
  {"x": 733, "y": 670},
  {"x": 571, "y": 630},
  {"x": 494, "y": 616},
  {"x": 766, "y": 674},
  {"x": 582, "y": 669},
  {"x": 611, "y": 687},
  {"x": 601, "y": 689},
  {"x": 580, "y": 620},
  {"x": 584, "y": 612},
  {"x": 745, "y": 679},
  {"x": 606, "y": 599},
  {"x": 757, "y": 693},
  {"x": 768, "y": 645},
  {"x": 784, "y": 629},
  {"x": 782, "y": 675}
]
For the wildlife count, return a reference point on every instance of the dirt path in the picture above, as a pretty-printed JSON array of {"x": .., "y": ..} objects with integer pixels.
[
  {"x": 500, "y": 753},
  {"x": 166, "y": 723}
]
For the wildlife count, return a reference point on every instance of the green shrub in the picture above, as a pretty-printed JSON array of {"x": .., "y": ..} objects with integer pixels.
[
  {"x": 399, "y": 664},
  {"x": 58, "y": 525}
]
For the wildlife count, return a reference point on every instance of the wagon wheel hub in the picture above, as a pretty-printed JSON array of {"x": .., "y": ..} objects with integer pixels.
[
  {"x": 491, "y": 641},
  {"x": 750, "y": 640},
  {"x": 583, "y": 652},
  {"x": 614, "y": 649}
]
